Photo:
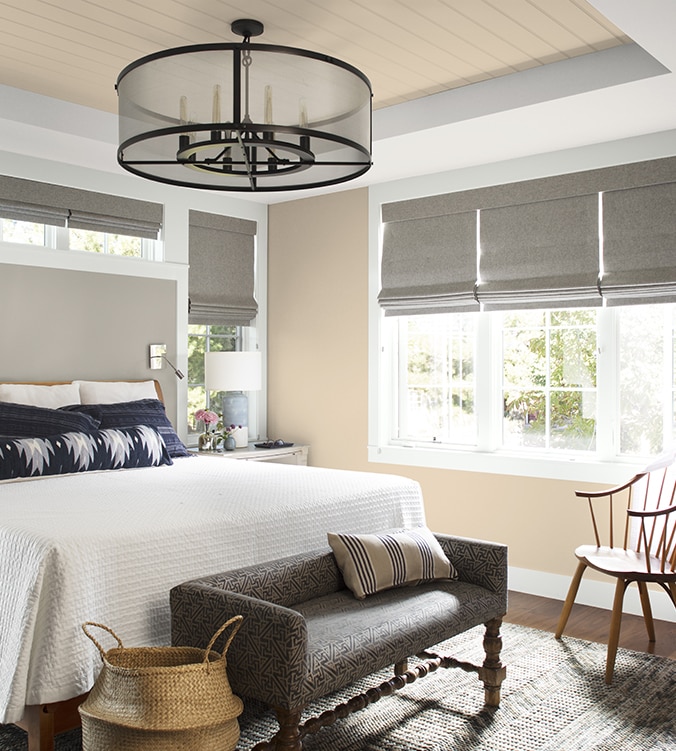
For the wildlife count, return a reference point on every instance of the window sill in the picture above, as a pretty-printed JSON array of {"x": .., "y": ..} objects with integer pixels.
[{"x": 577, "y": 469}]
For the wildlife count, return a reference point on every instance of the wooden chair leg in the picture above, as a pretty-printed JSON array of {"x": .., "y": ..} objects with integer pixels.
[
  {"x": 570, "y": 598},
  {"x": 647, "y": 610},
  {"x": 672, "y": 589},
  {"x": 614, "y": 633}
]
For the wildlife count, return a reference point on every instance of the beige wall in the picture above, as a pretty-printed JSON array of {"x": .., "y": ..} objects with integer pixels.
[{"x": 318, "y": 338}]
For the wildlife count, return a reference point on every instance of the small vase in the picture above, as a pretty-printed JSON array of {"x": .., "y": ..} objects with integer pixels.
[
  {"x": 229, "y": 443},
  {"x": 207, "y": 442}
]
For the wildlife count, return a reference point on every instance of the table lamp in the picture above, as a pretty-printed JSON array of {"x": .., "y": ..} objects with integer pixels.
[{"x": 234, "y": 373}]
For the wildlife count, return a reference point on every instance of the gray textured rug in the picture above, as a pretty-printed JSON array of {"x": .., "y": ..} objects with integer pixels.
[{"x": 554, "y": 699}]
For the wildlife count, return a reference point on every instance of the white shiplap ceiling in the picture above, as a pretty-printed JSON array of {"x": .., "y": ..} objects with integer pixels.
[
  {"x": 457, "y": 83},
  {"x": 74, "y": 49}
]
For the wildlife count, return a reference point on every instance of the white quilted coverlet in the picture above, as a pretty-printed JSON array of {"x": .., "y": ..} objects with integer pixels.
[{"x": 108, "y": 547}]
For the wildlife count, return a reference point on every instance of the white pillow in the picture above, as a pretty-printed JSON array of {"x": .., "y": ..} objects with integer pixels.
[
  {"x": 52, "y": 397},
  {"x": 113, "y": 392}
]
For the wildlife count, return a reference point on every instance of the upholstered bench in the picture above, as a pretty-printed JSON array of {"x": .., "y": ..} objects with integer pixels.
[{"x": 305, "y": 634}]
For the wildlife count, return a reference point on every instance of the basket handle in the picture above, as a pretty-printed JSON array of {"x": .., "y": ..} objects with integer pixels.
[
  {"x": 105, "y": 628},
  {"x": 237, "y": 619}
]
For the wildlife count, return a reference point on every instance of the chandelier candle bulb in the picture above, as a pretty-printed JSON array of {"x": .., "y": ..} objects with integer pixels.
[
  {"x": 302, "y": 113},
  {"x": 216, "y": 108},
  {"x": 184, "y": 138},
  {"x": 268, "y": 105}
]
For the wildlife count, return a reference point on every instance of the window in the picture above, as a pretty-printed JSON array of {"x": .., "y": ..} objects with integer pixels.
[
  {"x": 65, "y": 218},
  {"x": 437, "y": 374},
  {"x": 102, "y": 242},
  {"x": 16, "y": 231},
  {"x": 549, "y": 380},
  {"x": 596, "y": 384},
  {"x": 61, "y": 238},
  {"x": 201, "y": 339}
]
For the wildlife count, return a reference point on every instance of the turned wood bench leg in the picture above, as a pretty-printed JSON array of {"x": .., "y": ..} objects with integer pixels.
[
  {"x": 289, "y": 736},
  {"x": 492, "y": 672}
]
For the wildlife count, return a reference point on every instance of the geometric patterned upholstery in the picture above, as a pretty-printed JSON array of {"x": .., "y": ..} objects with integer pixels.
[{"x": 304, "y": 634}]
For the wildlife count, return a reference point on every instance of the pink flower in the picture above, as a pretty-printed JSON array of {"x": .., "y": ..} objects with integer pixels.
[{"x": 206, "y": 416}]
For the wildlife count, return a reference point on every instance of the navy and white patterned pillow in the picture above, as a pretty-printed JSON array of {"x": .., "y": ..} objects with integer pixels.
[
  {"x": 27, "y": 421},
  {"x": 140, "y": 412},
  {"x": 112, "y": 448}
]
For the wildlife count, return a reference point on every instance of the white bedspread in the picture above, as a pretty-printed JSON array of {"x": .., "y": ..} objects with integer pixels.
[{"x": 108, "y": 547}]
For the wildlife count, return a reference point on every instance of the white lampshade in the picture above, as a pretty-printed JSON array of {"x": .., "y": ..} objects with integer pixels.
[{"x": 232, "y": 371}]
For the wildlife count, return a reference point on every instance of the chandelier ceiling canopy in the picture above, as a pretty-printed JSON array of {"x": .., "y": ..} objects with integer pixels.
[{"x": 244, "y": 117}]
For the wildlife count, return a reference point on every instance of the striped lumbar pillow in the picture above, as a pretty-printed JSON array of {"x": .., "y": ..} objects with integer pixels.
[{"x": 373, "y": 562}]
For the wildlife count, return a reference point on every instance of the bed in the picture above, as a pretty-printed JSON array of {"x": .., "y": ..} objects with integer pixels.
[{"x": 107, "y": 544}]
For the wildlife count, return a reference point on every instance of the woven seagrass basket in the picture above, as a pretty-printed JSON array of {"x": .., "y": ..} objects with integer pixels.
[{"x": 161, "y": 698}]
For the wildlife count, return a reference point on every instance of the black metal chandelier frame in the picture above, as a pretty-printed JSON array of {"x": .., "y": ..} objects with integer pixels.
[{"x": 243, "y": 150}]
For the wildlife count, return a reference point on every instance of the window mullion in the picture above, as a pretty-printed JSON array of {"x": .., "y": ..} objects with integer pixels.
[
  {"x": 488, "y": 381},
  {"x": 667, "y": 376},
  {"x": 399, "y": 425},
  {"x": 607, "y": 385}
]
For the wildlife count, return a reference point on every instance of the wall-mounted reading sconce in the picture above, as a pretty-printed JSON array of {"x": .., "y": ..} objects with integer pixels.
[{"x": 158, "y": 356}]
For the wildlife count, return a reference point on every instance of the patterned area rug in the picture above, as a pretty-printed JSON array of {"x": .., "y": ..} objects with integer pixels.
[{"x": 554, "y": 699}]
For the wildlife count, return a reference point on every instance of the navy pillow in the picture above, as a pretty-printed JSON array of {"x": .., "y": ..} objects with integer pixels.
[
  {"x": 120, "y": 448},
  {"x": 141, "y": 412},
  {"x": 26, "y": 421}
]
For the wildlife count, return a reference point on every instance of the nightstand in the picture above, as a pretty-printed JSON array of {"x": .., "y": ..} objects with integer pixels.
[{"x": 296, "y": 454}]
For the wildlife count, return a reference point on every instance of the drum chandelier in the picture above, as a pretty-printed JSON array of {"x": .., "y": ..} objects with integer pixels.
[{"x": 244, "y": 117}]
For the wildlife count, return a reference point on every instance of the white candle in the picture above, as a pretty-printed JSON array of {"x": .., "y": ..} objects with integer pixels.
[
  {"x": 268, "y": 105},
  {"x": 302, "y": 113},
  {"x": 216, "y": 112}
]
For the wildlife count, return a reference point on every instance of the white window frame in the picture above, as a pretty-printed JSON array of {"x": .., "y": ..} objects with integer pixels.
[
  {"x": 604, "y": 465},
  {"x": 245, "y": 340},
  {"x": 58, "y": 238}
]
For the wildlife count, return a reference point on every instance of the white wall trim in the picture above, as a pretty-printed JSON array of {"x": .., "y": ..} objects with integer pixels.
[{"x": 592, "y": 592}]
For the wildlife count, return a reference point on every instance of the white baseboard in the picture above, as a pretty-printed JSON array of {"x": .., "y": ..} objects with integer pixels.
[{"x": 591, "y": 592}]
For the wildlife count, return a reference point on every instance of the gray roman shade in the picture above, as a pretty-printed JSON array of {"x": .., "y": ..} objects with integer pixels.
[
  {"x": 639, "y": 245},
  {"x": 540, "y": 255},
  {"x": 539, "y": 243},
  {"x": 28, "y": 212},
  {"x": 428, "y": 263},
  {"x": 33, "y": 201},
  {"x": 221, "y": 277}
]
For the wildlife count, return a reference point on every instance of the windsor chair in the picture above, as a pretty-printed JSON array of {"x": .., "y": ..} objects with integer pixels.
[{"x": 639, "y": 544}]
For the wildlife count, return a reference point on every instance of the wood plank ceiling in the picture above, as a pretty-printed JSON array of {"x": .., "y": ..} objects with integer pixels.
[{"x": 74, "y": 49}]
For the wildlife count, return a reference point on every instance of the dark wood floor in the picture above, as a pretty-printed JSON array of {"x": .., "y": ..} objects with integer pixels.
[{"x": 591, "y": 624}]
